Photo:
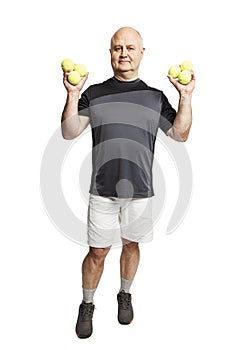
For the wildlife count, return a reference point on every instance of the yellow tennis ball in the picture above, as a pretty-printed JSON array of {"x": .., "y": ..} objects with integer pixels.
[
  {"x": 186, "y": 65},
  {"x": 81, "y": 69},
  {"x": 67, "y": 64},
  {"x": 184, "y": 77},
  {"x": 174, "y": 71},
  {"x": 74, "y": 78}
]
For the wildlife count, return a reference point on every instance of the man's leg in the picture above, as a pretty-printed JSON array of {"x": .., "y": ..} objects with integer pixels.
[
  {"x": 93, "y": 266},
  {"x": 92, "y": 269},
  {"x": 129, "y": 261}
]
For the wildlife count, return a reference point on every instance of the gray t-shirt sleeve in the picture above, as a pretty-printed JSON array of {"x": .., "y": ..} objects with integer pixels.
[
  {"x": 168, "y": 115},
  {"x": 84, "y": 103}
]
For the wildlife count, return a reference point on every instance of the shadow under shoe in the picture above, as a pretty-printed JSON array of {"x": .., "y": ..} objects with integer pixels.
[
  {"x": 125, "y": 309},
  {"x": 84, "y": 326}
]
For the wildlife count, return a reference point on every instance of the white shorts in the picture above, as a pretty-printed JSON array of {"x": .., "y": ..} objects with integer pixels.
[{"x": 111, "y": 219}]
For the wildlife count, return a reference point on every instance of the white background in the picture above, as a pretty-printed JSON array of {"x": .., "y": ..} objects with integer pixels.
[{"x": 183, "y": 291}]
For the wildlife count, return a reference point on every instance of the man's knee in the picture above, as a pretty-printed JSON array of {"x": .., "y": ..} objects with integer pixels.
[
  {"x": 98, "y": 254},
  {"x": 130, "y": 247}
]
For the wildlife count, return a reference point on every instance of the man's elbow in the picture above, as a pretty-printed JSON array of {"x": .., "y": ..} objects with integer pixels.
[
  {"x": 184, "y": 138},
  {"x": 68, "y": 136},
  {"x": 178, "y": 135},
  {"x": 181, "y": 137}
]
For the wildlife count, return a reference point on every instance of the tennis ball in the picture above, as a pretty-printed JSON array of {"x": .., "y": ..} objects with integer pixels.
[
  {"x": 184, "y": 77},
  {"x": 186, "y": 65},
  {"x": 67, "y": 64},
  {"x": 81, "y": 69},
  {"x": 74, "y": 78},
  {"x": 174, "y": 71}
]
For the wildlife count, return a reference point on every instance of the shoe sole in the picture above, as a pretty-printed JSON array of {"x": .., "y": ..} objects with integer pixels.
[
  {"x": 124, "y": 323},
  {"x": 83, "y": 336}
]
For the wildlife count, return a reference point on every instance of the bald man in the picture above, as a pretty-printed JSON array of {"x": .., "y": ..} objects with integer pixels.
[{"x": 124, "y": 114}]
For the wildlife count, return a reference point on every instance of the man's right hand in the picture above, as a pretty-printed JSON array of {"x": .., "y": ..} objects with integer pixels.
[
  {"x": 73, "y": 88},
  {"x": 71, "y": 123}
]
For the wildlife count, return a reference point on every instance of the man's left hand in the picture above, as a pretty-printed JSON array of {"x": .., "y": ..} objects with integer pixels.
[{"x": 183, "y": 89}]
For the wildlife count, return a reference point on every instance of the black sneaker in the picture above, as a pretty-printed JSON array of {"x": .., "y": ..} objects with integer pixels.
[
  {"x": 125, "y": 309},
  {"x": 84, "y": 322}
]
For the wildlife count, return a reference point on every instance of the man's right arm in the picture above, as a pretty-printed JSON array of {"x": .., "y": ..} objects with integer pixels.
[{"x": 73, "y": 124}]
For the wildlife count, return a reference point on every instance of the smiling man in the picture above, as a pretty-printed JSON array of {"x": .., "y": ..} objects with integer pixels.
[{"x": 124, "y": 114}]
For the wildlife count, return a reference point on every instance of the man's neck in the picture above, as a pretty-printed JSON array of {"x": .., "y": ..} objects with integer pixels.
[{"x": 125, "y": 76}]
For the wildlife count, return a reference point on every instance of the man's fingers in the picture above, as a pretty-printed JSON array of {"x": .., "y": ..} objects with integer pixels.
[
  {"x": 71, "y": 87},
  {"x": 65, "y": 74},
  {"x": 83, "y": 80},
  {"x": 85, "y": 77},
  {"x": 172, "y": 80},
  {"x": 193, "y": 75}
]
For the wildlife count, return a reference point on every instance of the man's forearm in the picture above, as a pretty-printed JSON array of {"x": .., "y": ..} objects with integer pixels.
[
  {"x": 183, "y": 121},
  {"x": 70, "y": 119}
]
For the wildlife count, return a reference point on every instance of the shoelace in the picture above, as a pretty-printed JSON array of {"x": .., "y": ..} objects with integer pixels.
[
  {"x": 124, "y": 301},
  {"x": 87, "y": 311}
]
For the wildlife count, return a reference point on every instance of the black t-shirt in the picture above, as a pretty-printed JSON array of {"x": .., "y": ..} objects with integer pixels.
[{"x": 124, "y": 117}]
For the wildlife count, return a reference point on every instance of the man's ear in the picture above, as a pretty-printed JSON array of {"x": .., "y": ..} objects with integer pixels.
[{"x": 143, "y": 50}]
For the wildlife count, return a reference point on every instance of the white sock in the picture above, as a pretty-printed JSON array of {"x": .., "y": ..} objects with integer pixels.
[
  {"x": 88, "y": 295},
  {"x": 125, "y": 285}
]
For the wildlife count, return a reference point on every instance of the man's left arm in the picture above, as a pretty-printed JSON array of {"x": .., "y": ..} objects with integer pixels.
[{"x": 183, "y": 121}]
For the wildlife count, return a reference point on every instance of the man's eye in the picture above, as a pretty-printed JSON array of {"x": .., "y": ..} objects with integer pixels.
[
  {"x": 117, "y": 48},
  {"x": 131, "y": 48}
]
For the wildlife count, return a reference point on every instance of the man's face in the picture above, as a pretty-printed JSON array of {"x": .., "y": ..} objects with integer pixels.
[{"x": 126, "y": 51}]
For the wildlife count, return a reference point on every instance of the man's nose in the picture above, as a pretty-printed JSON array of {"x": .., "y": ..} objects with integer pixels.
[{"x": 124, "y": 52}]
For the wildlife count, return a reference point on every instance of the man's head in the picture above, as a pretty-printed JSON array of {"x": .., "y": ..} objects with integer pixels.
[{"x": 126, "y": 53}]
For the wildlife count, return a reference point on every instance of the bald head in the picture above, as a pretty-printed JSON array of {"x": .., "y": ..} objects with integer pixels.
[
  {"x": 129, "y": 32},
  {"x": 126, "y": 53}
]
